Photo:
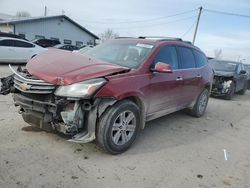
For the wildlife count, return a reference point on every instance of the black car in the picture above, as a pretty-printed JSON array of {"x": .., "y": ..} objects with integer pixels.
[
  {"x": 46, "y": 42},
  {"x": 68, "y": 47},
  {"x": 11, "y": 35},
  {"x": 229, "y": 78}
]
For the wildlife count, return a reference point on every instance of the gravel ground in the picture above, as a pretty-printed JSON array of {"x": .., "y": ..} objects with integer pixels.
[{"x": 176, "y": 151}]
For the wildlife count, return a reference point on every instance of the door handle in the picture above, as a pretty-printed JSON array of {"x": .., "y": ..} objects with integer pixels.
[
  {"x": 198, "y": 76},
  {"x": 179, "y": 78}
]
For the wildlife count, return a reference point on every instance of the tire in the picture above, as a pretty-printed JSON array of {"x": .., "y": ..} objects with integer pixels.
[
  {"x": 113, "y": 134},
  {"x": 243, "y": 91},
  {"x": 201, "y": 104},
  {"x": 231, "y": 92}
]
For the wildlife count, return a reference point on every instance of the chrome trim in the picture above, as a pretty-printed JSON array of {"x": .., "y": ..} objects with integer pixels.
[{"x": 29, "y": 80}]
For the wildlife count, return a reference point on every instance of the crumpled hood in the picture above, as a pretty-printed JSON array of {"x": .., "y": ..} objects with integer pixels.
[
  {"x": 62, "y": 67},
  {"x": 224, "y": 73}
]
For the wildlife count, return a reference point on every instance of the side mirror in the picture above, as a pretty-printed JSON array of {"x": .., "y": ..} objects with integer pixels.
[
  {"x": 162, "y": 68},
  {"x": 243, "y": 72}
]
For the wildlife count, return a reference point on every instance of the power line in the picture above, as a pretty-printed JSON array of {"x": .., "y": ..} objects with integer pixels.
[
  {"x": 151, "y": 25},
  {"x": 139, "y": 21},
  {"x": 192, "y": 25},
  {"x": 227, "y": 13}
]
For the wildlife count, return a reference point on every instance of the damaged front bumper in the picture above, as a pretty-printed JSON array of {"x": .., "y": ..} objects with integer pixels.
[
  {"x": 221, "y": 87},
  {"x": 76, "y": 118},
  {"x": 40, "y": 107}
]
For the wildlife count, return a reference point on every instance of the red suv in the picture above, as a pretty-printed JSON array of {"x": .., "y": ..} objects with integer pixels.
[{"x": 109, "y": 92}]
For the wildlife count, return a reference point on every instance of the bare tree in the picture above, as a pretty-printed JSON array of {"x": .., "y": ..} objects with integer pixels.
[
  {"x": 108, "y": 34},
  {"x": 217, "y": 53},
  {"x": 23, "y": 14}
]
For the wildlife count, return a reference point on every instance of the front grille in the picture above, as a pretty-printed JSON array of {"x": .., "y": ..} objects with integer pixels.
[{"x": 32, "y": 85}]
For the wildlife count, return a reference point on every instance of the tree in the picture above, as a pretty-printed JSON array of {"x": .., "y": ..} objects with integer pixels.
[
  {"x": 217, "y": 53},
  {"x": 23, "y": 14},
  {"x": 108, "y": 34}
]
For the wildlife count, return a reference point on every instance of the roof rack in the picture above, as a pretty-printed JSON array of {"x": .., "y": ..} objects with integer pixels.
[
  {"x": 124, "y": 37},
  {"x": 188, "y": 42},
  {"x": 159, "y": 38}
]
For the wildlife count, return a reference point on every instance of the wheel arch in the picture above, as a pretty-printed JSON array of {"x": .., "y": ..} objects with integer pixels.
[{"x": 138, "y": 101}]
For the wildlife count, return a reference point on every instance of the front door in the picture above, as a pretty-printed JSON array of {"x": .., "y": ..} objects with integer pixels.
[{"x": 166, "y": 88}]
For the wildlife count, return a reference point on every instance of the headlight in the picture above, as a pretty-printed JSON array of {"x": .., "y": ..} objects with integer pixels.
[{"x": 82, "y": 89}]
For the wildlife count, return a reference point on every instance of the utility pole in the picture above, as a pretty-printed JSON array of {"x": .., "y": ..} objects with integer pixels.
[
  {"x": 45, "y": 11},
  {"x": 197, "y": 24}
]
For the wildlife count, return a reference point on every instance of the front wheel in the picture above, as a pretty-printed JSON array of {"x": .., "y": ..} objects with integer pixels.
[
  {"x": 201, "y": 104},
  {"x": 118, "y": 127}
]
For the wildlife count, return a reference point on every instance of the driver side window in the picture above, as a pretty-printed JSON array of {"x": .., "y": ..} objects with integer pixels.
[{"x": 168, "y": 55}]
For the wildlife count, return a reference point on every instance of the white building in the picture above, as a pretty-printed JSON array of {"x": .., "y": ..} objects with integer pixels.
[{"x": 59, "y": 27}]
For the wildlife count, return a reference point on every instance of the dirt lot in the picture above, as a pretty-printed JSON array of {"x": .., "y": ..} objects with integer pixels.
[{"x": 173, "y": 151}]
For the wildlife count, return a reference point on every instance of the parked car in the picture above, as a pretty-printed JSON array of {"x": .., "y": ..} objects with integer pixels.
[
  {"x": 230, "y": 77},
  {"x": 46, "y": 42},
  {"x": 11, "y": 35},
  {"x": 68, "y": 47},
  {"x": 109, "y": 92},
  {"x": 83, "y": 50},
  {"x": 13, "y": 50}
]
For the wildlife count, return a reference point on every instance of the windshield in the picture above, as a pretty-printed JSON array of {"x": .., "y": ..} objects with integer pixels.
[
  {"x": 126, "y": 54},
  {"x": 223, "y": 66}
]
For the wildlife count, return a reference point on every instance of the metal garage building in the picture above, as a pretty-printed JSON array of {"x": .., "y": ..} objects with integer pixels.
[{"x": 59, "y": 27}]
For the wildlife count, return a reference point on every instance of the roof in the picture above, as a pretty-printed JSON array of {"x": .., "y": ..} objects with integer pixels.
[
  {"x": 159, "y": 40},
  {"x": 5, "y": 17},
  {"x": 14, "y": 21}
]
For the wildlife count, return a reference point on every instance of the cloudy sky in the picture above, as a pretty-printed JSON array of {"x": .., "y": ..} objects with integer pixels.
[{"x": 150, "y": 18}]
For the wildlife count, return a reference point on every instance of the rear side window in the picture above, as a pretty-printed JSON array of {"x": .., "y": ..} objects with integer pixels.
[
  {"x": 187, "y": 58},
  {"x": 22, "y": 44},
  {"x": 200, "y": 58},
  {"x": 168, "y": 55},
  {"x": 10, "y": 43}
]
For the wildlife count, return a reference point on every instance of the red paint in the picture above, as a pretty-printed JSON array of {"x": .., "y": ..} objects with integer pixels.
[
  {"x": 157, "y": 91},
  {"x": 61, "y": 67}
]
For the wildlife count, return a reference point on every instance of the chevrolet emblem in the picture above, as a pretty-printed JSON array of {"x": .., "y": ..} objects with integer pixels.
[{"x": 24, "y": 86}]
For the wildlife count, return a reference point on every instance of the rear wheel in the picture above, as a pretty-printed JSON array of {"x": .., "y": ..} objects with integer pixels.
[
  {"x": 231, "y": 91},
  {"x": 118, "y": 127},
  {"x": 201, "y": 104}
]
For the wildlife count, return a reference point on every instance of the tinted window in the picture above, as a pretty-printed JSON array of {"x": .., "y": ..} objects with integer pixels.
[
  {"x": 79, "y": 43},
  {"x": 66, "y": 41},
  {"x": 187, "y": 58},
  {"x": 7, "y": 43},
  {"x": 167, "y": 55},
  {"x": 22, "y": 44},
  {"x": 200, "y": 58}
]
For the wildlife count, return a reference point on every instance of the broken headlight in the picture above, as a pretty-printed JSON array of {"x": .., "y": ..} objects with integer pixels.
[{"x": 83, "y": 89}]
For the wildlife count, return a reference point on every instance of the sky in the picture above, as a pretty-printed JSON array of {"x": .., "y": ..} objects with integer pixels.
[{"x": 135, "y": 18}]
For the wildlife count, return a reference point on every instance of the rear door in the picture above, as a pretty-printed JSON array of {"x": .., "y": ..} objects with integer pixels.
[
  {"x": 191, "y": 75},
  {"x": 166, "y": 88},
  {"x": 23, "y": 50},
  {"x": 7, "y": 50}
]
